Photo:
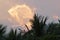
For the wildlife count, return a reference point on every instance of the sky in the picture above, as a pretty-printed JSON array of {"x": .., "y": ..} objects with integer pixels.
[{"x": 49, "y": 8}]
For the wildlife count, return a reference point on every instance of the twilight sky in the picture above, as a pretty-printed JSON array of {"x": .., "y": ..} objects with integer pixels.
[{"x": 50, "y": 8}]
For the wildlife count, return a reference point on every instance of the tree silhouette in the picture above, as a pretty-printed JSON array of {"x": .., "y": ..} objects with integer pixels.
[
  {"x": 38, "y": 24},
  {"x": 52, "y": 28},
  {"x": 2, "y": 32},
  {"x": 36, "y": 33},
  {"x": 11, "y": 35}
]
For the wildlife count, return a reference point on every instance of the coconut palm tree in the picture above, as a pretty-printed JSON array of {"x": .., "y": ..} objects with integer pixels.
[
  {"x": 38, "y": 24},
  {"x": 11, "y": 35},
  {"x": 2, "y": 32},
  {"x": 14, "y": 36}
]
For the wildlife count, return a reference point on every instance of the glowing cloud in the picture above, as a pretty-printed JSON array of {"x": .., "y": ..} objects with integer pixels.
[
  {"x": 21, "y": 13},
  {"x": 29, "y": 25}
]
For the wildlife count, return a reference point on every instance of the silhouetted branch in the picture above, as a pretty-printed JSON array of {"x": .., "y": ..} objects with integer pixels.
[{"x": 27, "y": 27}]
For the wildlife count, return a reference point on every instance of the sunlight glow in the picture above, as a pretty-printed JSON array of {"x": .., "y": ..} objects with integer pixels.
[
  {"x": 22, "y": 14},
  {"x": 29, "y": 25}
]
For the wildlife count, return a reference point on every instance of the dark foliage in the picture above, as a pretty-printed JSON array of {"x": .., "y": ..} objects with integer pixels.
[
  {"x": 38, "y": 25},
  {"x": 36, "y": 33},
  {"x": 2, "y": 32}
]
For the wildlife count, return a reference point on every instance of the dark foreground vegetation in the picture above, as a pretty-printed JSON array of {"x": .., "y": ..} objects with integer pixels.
[{"x": 40, "y": 31}]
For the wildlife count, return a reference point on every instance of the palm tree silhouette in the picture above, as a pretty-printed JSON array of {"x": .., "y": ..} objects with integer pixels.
[
  {"x": 2, "y": 32},
  {"x": 38, "y": 25}
]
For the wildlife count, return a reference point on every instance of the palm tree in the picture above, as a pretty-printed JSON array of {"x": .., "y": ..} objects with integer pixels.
[
  {"x": 11, "y": 35},
  {"x": 38, "y": 25},
  {"x": 28, "y": 35},
  {"x": 53, "y": 31},
  {"x": 2, "y": 32},
  {"x": 51, "y": 28},
  {"x": 14, "y": 36}
]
